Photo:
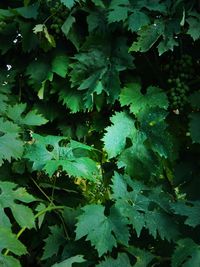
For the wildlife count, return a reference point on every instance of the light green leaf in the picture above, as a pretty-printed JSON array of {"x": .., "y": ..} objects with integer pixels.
[
  {"x": 60, "y": 65},
  {"x": 116, "y": 135},
  {"x": 66, "y": 27},
  {"x": 72, "y": 98},
  {"x": 23, "y": 215},
  {"x": 9, "y": 241},
  {"x": 138, "y": 102},
  {"x": 4, "y": 220},
  {"x": 10, "y": 145},
  {"x": 16, "y": 112},
  {"x": 77, "y": 167},
  {"x": 69, "y": 3},
  {"x": 40, "y": 219},
  {"x": 9, "y": 261},
  {"x": 41, "y": 28},
  {"x": 47, "y": 153},
  {"x": 8, "y": 199},
  {"x": 38, "y": 28}
]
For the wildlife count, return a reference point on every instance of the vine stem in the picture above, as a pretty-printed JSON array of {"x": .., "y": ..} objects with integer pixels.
[
  {"x": 40, "y": 213},
  {"x": 51, "y": 203}
]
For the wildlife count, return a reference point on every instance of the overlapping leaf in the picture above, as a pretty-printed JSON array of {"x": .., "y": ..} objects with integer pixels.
[
  {"x": 53, "y": 242},
  {"x": 9, "y": 198},
  {"x": 97, "y": 70},
  {"x": 135, "y": 205},
  {"x": 47, "y": 153},
  {"x": 99, "y": 228},
  {"x": 115, "y": 138},
  {"x": 15, "y": 113},
  {"x": 68, "y": 262},
  {"x": 187, "y": 254},
  {"x": 10, "y": 144},
  {"x": 138, "y": 102},
  {"x": 122, "y": 260},
  {"x": 190, "y": 210}
]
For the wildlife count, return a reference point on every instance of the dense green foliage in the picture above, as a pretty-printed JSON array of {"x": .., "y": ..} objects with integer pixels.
[{"x": 99, "y": 133}]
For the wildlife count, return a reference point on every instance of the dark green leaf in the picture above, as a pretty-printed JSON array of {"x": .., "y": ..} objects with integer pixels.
[
  {"x": 187, "y": 254},
  {"x": 122, "y": 260}
]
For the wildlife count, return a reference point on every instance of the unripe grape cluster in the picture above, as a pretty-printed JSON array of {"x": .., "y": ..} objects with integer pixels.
[
  {"x": 58, "y": 15},
  {"x": 180, "y": 74}
]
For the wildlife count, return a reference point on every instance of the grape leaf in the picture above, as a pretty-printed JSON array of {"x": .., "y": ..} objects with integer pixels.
[
  {"x": 97, "y": 21},
  {"x": 138, "y": 159},
  {"x": 134, "y": 204},
  {"x": 95, "y": 225},
  {"x": 194, "y": 24},
  {"x": 137, "y": 20},
  {"x": 9, "y": 241},
  {"x": 122, "y": 260},
  {"x": 8, "y": 199},
  {"x": 72, "y": 98},
  {"x": 70, "y": 261},
  {"x": 143, "y": 257},
  {"x": 38, "y": 71},
  {"x": 28, "y": 12},
  {"x": 10, "y": 144},
  {"x": 29, "y": 39},
  {"x": 60, "y": 65},
  {"x": 55, "y": 239},
  {"x": 77, "y": 167},
  {"x": 66, "y": 27},
  {"x": 166, "y": 44},
  {"x": 69, "y": 3},
  {"x": 99, "y": 229},
  {"x": 15, "y": 113},
  {"x": 186, "y": 254},
  {"x": 190, "y": 210},
  {"x": 153, "y": 124},
  {"x": 116, "y": 135},
  {"x": 9, "y": 261},
  {"x": 120, "y": 13},
  {"x": 47, "y": 153},
  {"x": 97, "y": 70},
  {"x": 138, "y": 102},
  {"x": 3, "y": 102},
  {"x": 148, "y": 35},
  {"x": 162, "y": 224},
  {"x": 4, "y": 220}
]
